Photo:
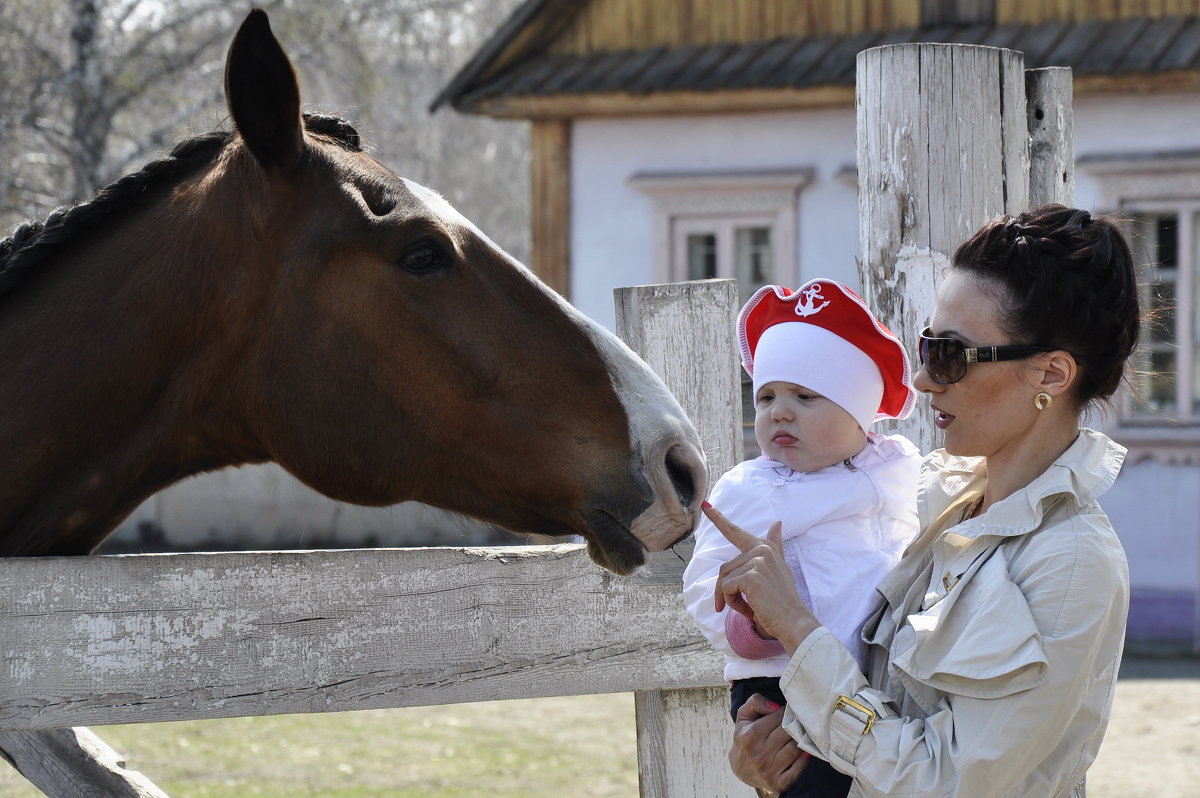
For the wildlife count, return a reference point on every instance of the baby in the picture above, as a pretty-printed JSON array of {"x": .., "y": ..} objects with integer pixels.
[{"x": 823, "y": 371}]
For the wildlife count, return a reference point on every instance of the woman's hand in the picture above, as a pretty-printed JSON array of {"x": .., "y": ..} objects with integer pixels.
[
  {"x": 758, "y": 584},
  {"x": 763, "y": 754}
]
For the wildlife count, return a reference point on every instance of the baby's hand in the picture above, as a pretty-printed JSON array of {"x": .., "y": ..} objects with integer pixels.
[{"x": 758, "y": 583}]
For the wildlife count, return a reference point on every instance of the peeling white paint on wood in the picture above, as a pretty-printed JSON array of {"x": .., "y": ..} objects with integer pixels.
[
  {"x": 942, "y": 149},
  {"x": 188, "y": 636}
]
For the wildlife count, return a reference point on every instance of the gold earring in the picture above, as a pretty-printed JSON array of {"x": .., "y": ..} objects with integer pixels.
[{"x": 1043, "y": 400}]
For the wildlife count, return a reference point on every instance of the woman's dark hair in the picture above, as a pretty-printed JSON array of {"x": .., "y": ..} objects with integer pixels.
[{"x": 1069, "y": 283}]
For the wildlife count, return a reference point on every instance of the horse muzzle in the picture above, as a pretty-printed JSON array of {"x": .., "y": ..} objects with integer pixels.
[{"x": 623, "y": 532}]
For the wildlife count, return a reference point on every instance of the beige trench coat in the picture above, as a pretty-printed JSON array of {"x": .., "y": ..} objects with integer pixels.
[{"x": 994, "y": 656}]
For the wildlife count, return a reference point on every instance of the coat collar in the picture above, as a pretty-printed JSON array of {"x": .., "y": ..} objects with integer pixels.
[
  {"x": 1087, "y": 469},
  {"x": 1084, "y": 471}
]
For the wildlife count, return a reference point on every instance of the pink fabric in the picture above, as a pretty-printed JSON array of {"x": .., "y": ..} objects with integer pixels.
[{"x": 746, "y": 642}]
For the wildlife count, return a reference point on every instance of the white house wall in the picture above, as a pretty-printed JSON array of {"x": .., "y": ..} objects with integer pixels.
[{"x": 612, "y": 223}]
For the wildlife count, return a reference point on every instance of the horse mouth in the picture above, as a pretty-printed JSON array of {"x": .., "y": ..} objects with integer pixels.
[{"x": 612, "y": 545}]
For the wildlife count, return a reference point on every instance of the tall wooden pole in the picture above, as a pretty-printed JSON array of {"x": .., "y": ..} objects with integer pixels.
[{"x": 942, "y": 148}]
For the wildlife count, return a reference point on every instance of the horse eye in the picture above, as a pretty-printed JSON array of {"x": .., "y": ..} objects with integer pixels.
[{"x": 423, "y": 258}]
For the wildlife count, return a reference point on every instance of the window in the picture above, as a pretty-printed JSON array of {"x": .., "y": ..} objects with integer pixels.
[
  {"x": 1159, "y": 194},
  {"x": 703, "y": 248},
  {"x": 1167, "y": 371},
  {"x": 739, "y": 225}
]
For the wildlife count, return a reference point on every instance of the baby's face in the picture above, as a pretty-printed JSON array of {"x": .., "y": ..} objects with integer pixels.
[{"x": 802, "y": 429}]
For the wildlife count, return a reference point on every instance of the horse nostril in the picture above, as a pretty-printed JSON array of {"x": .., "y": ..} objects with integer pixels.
[{"x": 681, "y": 468}]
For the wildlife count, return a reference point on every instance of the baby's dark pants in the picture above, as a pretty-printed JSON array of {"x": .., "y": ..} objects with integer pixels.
[{"x": 819, "y": 779}]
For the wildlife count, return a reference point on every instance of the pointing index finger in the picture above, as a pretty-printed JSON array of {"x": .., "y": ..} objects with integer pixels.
[{"x": 733, "y": 533}]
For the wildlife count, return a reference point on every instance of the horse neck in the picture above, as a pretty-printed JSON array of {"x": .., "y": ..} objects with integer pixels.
[{"x": 109, "y": 373}]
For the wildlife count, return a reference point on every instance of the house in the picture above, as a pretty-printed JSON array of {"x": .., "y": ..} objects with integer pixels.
[{"x": 680, "y": 139}]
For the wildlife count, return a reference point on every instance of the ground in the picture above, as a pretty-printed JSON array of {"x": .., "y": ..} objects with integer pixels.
[{"x": 580, "y": 746}]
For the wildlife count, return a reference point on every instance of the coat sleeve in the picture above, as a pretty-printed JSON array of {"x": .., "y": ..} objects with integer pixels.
[{"x": 990, "y": 729}]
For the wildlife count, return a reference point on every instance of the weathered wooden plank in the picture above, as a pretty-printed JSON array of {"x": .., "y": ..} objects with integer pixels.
[
  {"x": 97, "y": 640},
  {"x": 1048, "y": 99},
  {"x": 73, "y": 763},
  {"x": 685, "y": 331}
]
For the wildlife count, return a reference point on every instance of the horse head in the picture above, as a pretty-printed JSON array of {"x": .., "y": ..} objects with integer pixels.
[{"x": 389, "y": 351}]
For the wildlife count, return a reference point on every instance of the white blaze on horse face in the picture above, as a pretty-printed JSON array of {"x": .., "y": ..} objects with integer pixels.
[{"x": 661, "y": 435}]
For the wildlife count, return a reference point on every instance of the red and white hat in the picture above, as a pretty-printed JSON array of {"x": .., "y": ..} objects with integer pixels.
[{"x": 824, "y": 337}]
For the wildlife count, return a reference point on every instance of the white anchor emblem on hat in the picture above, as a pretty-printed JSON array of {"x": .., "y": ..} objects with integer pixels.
[{"x": 808, "y": 298}]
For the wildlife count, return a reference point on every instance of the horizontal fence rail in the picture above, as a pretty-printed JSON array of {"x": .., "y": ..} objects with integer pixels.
[{"x": 142, "y": 638}]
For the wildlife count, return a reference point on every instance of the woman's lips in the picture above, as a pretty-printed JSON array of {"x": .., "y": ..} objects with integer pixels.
[{"x": 941, "y": 419}]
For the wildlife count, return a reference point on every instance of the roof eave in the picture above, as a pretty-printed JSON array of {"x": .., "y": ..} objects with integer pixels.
[{"x": 555, "y": 15}]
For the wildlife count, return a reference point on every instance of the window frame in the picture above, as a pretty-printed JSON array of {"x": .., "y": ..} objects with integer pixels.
[
  {"x": 1184, "y": 332},
  {"x": 724, "y": 229},
  {"x": 1156, "y": 182},
  {"x": 766, "y": 198}
]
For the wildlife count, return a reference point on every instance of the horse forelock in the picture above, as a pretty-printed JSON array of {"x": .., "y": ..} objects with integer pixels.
[{"x": 33, "y": 242}]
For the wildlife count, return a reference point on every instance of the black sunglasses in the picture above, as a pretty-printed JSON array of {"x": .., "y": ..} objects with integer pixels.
[{"x": 946, "y": 359}]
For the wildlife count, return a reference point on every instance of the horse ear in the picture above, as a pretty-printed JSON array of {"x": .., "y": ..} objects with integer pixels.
[{"x": 263, "y": 94}]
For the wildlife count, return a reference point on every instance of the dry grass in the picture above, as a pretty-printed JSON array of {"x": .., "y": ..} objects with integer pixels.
[{"x": 580, "y": 746}]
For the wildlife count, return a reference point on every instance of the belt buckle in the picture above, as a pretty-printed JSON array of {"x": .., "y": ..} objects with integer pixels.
[{"x": 846, "y": 702}]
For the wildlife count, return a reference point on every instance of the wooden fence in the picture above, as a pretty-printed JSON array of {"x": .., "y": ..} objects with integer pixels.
[{"x": 181, "y": 637}]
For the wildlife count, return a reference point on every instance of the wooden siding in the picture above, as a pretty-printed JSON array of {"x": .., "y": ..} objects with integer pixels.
[
  {"x": 605, "y": 25},
  {"x": 1037, "y": 11}
]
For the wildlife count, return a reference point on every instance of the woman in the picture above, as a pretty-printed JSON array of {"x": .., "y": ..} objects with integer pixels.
[{"x": 994, "y": 654}]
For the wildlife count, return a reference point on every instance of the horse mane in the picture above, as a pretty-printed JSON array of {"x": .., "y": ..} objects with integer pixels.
[{"x": 32, "y": 242}]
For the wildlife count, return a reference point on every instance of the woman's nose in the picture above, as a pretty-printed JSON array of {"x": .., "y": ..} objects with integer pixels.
[{"x": 924, "y": 383}]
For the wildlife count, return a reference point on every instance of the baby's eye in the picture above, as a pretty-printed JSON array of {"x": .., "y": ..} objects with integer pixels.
[
  {"x": 805, "y": 397},
  {"x": 763, "y": 398}
]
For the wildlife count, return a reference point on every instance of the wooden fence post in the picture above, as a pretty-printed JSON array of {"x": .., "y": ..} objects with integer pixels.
[
  {"x": 73, "y": 762},
  {"x": 1048, "y": 97},
  {"x": 942, "y": 148},
  {"x": 685, "y": 332}
]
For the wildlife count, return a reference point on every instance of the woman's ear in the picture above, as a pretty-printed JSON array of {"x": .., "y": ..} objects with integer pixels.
[{"x": 1058, "y": 371}]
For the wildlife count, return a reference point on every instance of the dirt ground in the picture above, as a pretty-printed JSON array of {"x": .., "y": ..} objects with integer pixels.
[{"x": 1152, "y": 749}]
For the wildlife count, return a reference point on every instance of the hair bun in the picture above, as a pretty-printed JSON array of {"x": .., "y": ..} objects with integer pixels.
[{"x": 1071, "y": 285}]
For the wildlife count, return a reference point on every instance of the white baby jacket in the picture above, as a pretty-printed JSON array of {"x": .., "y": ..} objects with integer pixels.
[{"x": 844, "y": 528}]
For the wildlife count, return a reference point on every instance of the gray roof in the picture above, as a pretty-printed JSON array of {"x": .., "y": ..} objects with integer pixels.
[{"x": 1089, "y": 47}]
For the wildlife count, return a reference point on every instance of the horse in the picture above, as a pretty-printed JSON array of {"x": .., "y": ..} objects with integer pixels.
[{"x": 273, "y": 293}]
